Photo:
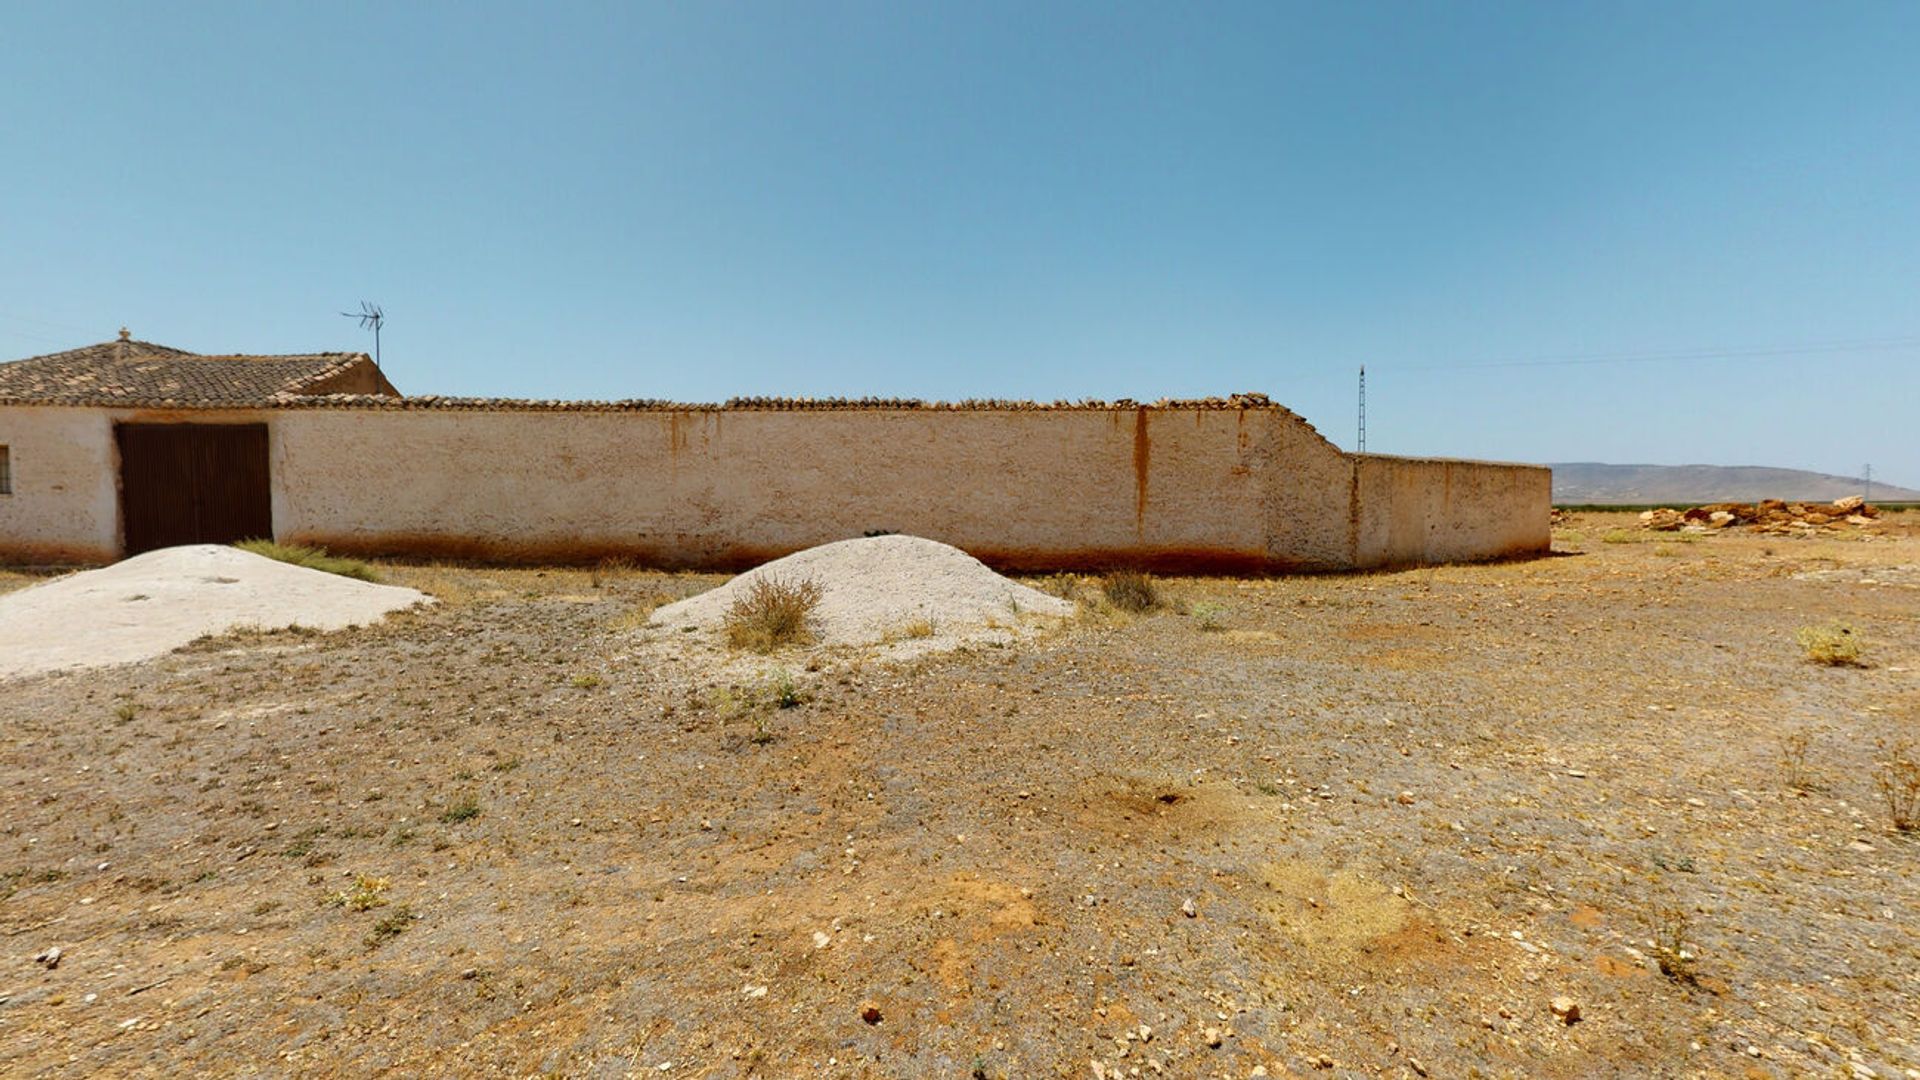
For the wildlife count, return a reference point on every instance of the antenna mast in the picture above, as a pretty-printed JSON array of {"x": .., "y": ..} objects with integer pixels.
[
  {"x": 1866, "y": 483},
  {"x": 371, "y": 318},
  {"x": 1363, "y": 408}
]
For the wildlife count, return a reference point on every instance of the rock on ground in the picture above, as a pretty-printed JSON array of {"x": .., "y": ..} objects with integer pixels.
[
  {"x": 154, "y": 603},
  {"x": 876, "y": 589}
]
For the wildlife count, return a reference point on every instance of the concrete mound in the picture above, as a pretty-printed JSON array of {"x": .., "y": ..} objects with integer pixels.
[
  {"x": 886, "y": 589},
  {"x": 154, "y": 603}
]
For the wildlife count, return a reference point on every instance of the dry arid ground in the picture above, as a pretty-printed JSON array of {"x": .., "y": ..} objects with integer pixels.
[{"x": 1358, "y": 825}]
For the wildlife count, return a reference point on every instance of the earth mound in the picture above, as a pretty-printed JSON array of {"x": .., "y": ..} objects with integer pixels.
[
  {"x": 884, "y": 589},
  {"x": 156, "y": 602}
]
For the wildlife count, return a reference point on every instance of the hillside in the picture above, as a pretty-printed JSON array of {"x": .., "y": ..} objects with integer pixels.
[{"x": 1583, "y": 482}]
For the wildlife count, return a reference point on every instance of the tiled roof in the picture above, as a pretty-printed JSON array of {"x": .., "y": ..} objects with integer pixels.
[
  {"x": 1248, "y": 402},
  {"x": 442, "y": 402},
  {"x": 141, "y": 374}
]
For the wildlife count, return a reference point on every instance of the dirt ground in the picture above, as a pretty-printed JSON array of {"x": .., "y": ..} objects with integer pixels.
[{"x": 1365, "y": 825}]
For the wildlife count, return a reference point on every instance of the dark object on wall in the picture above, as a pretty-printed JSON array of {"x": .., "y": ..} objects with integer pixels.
[{"x": 193, "y": 484}]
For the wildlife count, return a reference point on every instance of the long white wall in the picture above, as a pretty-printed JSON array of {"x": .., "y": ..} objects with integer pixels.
[
  {"x": 1414, "y": 511},
  {"x": 1193, "y": 488},
  {"x": 1180, "y": 489}
]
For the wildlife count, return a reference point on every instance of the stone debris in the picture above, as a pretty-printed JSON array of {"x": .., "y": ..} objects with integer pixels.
[
  {"x": 49, "y": 959},
  {"x": 1567, "y": 1009},
  {"x": 156, "y": 602},
  {"x": 914, "y": 594},
  {"x": 1767, "y": 516}
]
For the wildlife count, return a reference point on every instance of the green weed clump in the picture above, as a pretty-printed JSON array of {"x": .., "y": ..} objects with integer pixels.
[
  {"x": 312, "y": 558},
  {"x": 771, "y": 613},
  {"x": 1130, "y": 590},
  {"x": 1209, "y": 617},
  {"x": 1833, "y": 644}
]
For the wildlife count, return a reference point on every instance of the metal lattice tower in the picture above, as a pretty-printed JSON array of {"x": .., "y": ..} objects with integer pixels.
[
  {"x": 1866, "y": 483},
  {"x": 1363, "y": 408}
]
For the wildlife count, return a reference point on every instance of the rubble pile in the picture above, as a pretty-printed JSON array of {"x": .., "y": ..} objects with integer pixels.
[{"x": 1767, "y": 516}]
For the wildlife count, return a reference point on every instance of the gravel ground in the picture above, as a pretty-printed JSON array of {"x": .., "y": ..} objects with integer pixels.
[{"x": 1361, "y": 825}]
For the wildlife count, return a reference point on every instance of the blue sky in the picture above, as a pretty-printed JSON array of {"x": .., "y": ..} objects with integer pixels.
[{"x": 699, "y": 200}]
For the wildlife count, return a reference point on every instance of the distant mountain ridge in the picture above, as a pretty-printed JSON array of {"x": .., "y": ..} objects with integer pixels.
[{"x": 1581, "y": 482}]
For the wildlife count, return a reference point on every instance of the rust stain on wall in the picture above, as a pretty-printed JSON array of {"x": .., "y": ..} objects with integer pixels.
[
  {"x": 1142, "y": 455},
  {"x": 56, "y": 554}
]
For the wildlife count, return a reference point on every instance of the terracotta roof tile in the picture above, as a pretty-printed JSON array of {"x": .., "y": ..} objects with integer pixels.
[{"x": 142, "y": 374}]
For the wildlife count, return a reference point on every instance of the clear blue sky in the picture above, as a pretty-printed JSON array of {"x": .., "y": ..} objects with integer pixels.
[{"x": 1040, "y": 200}]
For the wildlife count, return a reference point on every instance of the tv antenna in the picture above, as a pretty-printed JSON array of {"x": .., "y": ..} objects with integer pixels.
[
  {"x": 1866, "y": 483},
  {"x": 1363, "y": 408},
  {"x": 371, "y": 318}
]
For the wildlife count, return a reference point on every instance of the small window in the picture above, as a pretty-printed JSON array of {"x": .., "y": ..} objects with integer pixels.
[{"x": 6, "y": 472}]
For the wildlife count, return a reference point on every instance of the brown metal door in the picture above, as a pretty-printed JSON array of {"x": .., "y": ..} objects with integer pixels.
[{"x": 193, "y": 484}]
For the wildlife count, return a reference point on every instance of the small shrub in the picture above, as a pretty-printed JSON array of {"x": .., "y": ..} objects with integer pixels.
[
  {"x": 586, "y": 682},
  {"x": 1619, "y": 536},
  {"x": 786, "y": 693},
  {"x": 367, "y": 893},
  {"x": 310, "y": 557},
  {"x": 1064, "y": 586},
  {"x": 1130, "y": 590},
  {"x": 771, "y": 613},
  {"x": 464, "y": 808},
  {"x": 1897, "y": 775},
  {"x": 1672, "y": 935},
  {"x": 1793, "y": 762},
  {"x": 1833, "y": 644},
  {"x": 611, "y": 567},
  {"x": 1209, "y": 617},
  {"x": 125, "y": 712},
  {"x": 391, "y": 925},
  {"x": 918, "y": 628}
]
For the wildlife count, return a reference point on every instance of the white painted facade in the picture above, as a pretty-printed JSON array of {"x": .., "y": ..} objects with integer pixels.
[{"x": 1180, "y": 488}]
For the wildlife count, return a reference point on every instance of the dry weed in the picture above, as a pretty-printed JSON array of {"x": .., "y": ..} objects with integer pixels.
[
  {"x": 1130, "y": 590},
  {"x": 368, "y": 892},
  {"x": 1672, "y": 929},
  {"x": 772, "y": 613},
  {"x": 1793, "y": 761},
  {"x": 1833, "y": 644},
  {"x": 1897, "y": 776}
]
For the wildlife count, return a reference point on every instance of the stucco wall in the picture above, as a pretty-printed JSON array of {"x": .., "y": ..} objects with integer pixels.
[
  {"x": 1179, "y": 489},
  {"x": 1409, "y": 511},
  {"x": 64, "y": 507},
  {"x": 1195, "y": 489}
]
